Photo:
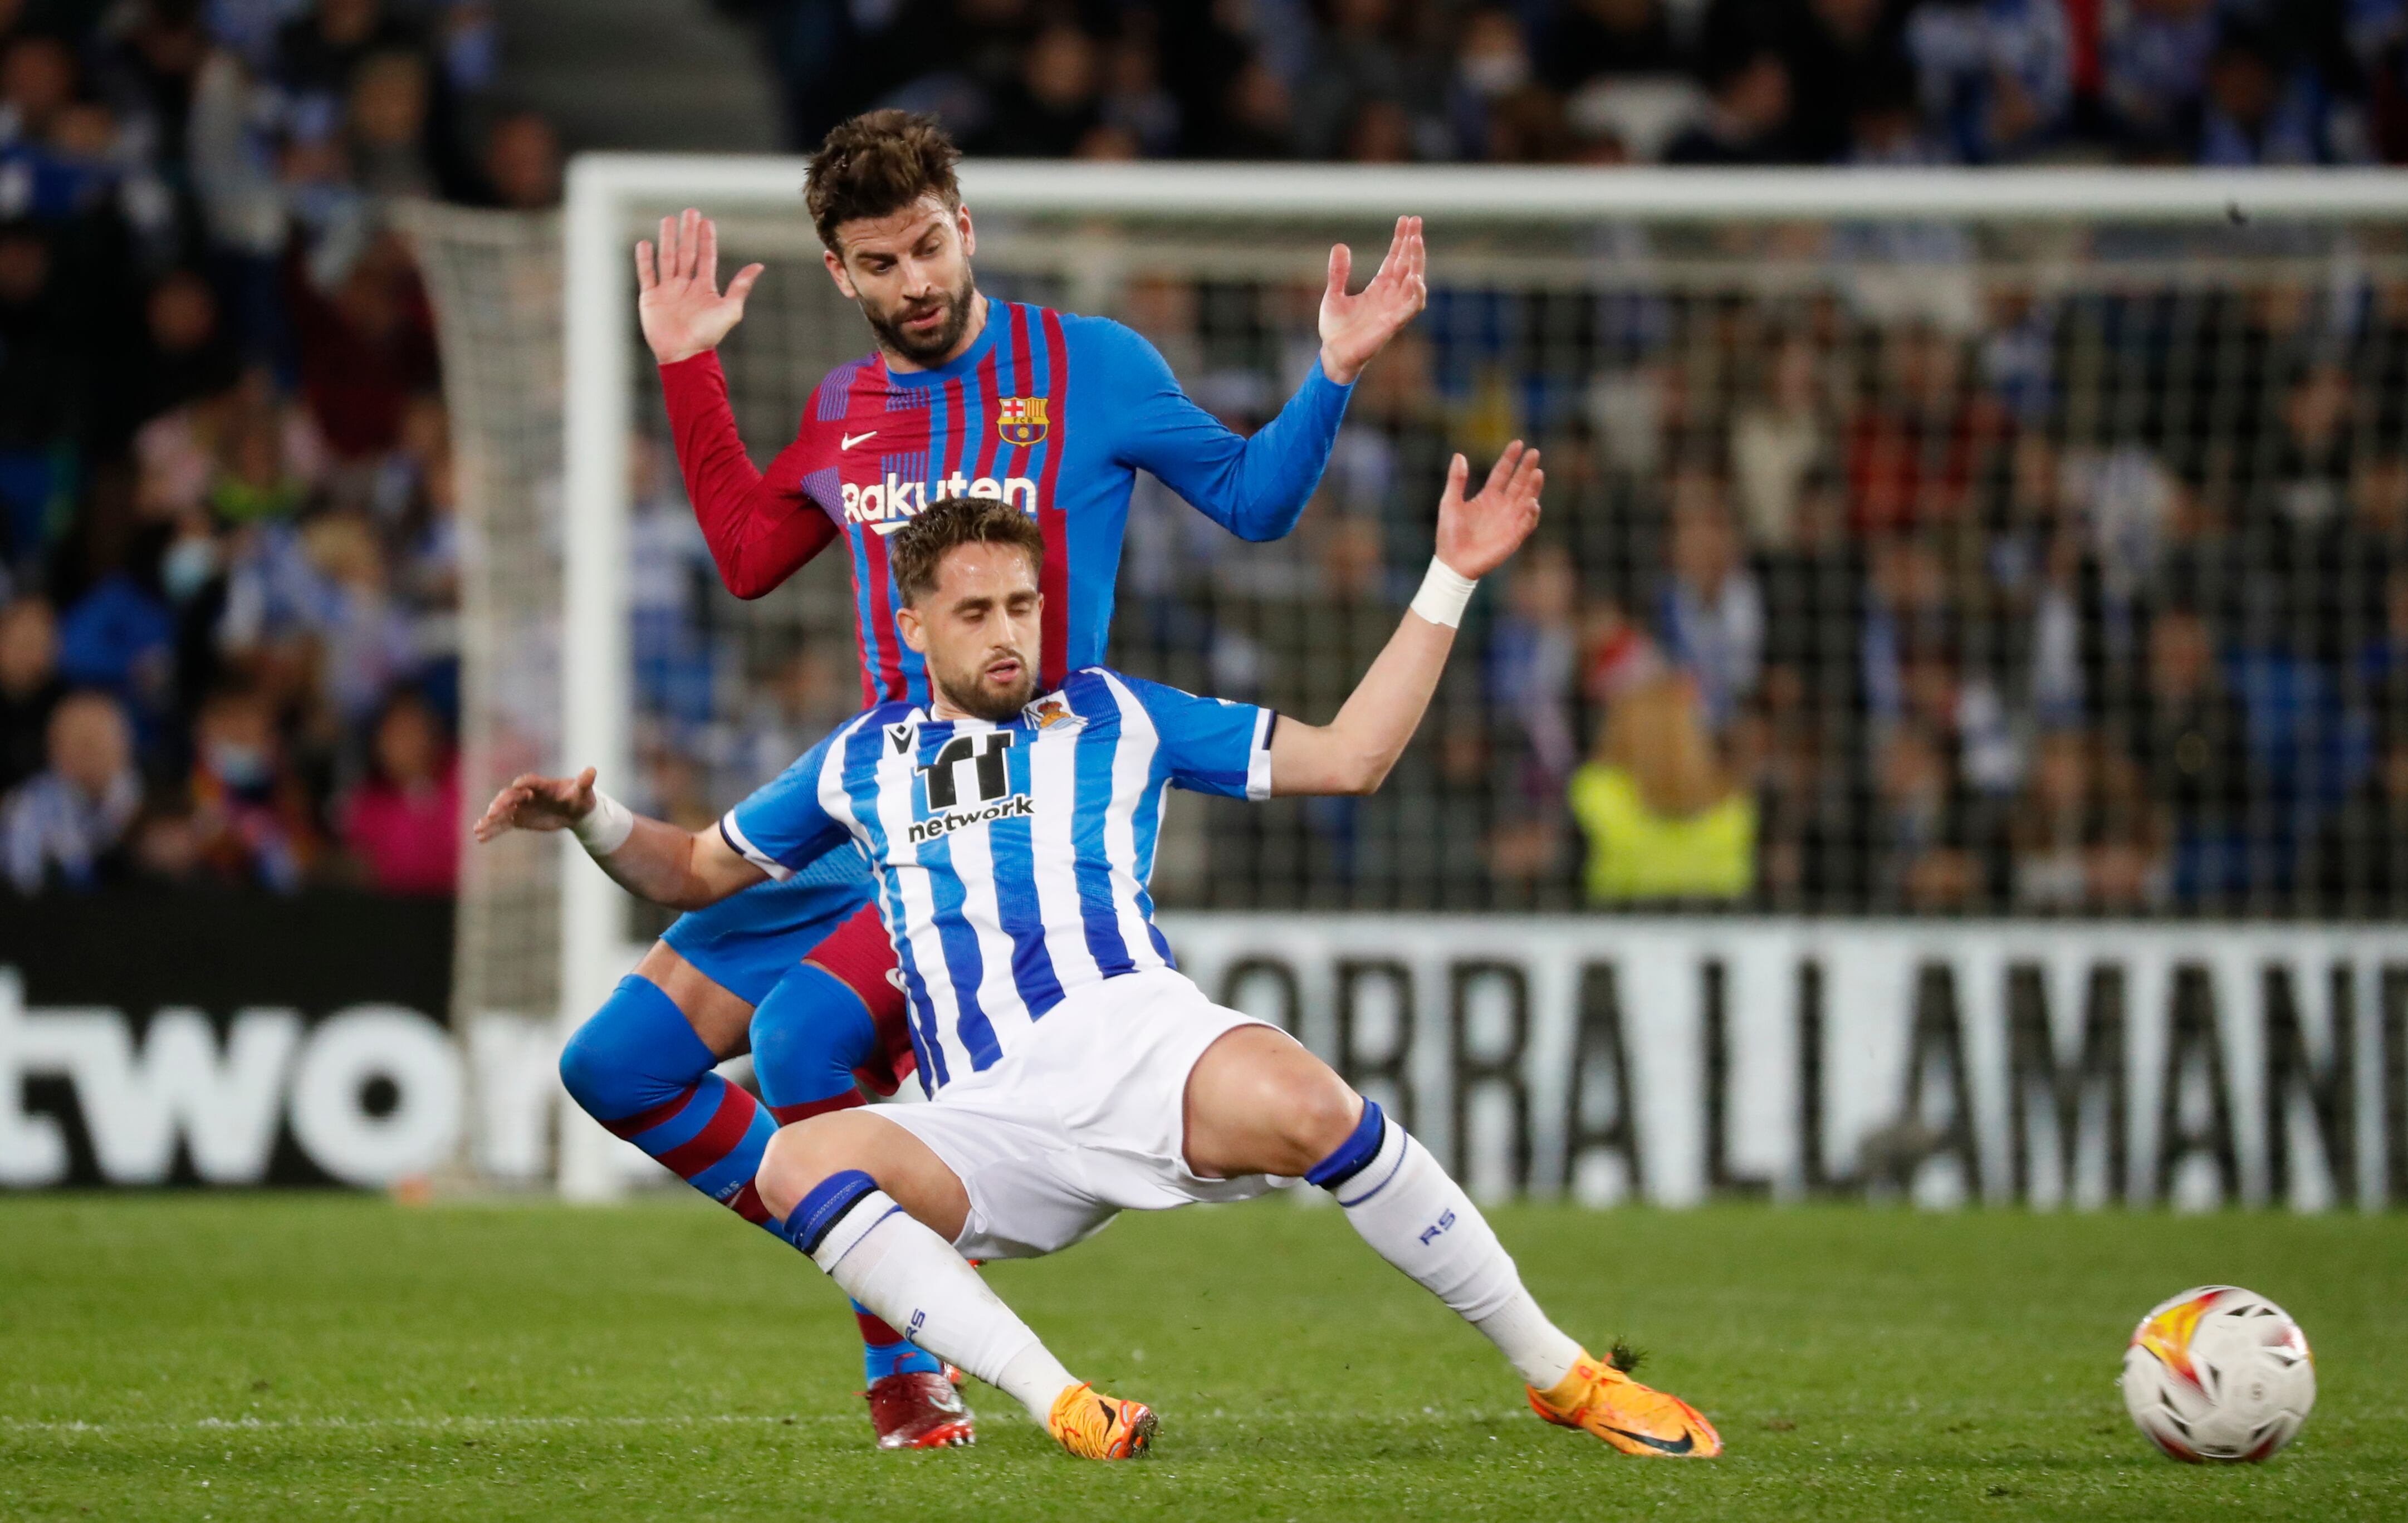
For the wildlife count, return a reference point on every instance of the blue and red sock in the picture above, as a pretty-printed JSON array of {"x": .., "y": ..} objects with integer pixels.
[{"x": 637, "y": 1067}]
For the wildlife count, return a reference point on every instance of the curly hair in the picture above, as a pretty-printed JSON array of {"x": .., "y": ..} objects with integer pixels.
[
  {"x": 877, "y": 164},
  {"x": 946, "y": 524}
]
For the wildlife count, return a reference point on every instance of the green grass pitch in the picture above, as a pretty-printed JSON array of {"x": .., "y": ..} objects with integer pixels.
[{"x": 295, "y": 1358}]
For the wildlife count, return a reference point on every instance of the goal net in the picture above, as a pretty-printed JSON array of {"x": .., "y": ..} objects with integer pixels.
[{"x": 1949, "y": 544}]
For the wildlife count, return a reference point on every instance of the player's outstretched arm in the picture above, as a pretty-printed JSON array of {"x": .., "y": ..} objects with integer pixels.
[
  {"x": 678, "y": 299},
  {"x": 1257, "y": 488},
  {"x": 1352, "y": 753},
  {"x": 650, "y": 858}
]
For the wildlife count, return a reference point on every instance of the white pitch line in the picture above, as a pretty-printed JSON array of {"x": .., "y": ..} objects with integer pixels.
[
  {"x": 332, "y": 1424},
  {"x": 215, "y": 1425}
]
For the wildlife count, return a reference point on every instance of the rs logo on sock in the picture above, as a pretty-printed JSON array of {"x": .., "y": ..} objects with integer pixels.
[
  {"x": 1446, "y": 1219},
  {"x": 914, "y": 1331}
]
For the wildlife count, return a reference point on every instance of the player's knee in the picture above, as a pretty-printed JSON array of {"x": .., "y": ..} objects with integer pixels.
[
  {"x": 801, "y": 1155},
  {"x": 784, "y": 1176},
  {"x": 634, "y": 1053},
  {"x": 1317, "y": 1111},
  {"x": 808, "y": 1034}
]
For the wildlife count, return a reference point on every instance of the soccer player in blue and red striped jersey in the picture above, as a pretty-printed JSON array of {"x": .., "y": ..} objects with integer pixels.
[{"x": 1047, "y": 411}]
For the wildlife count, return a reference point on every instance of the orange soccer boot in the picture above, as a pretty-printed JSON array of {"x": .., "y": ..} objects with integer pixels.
[
  {"x": 1098, "y": 1426},
  {"x": 1603, "y": 1401}
]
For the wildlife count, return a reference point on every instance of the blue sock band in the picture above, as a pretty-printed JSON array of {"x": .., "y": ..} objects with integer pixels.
[
  {"x": 1360, "y": 1147},
  {"x": 807, "y": 1225},
  {"x": 809, "y": 1032}
]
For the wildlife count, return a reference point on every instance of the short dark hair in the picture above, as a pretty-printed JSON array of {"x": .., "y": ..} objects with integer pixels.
[
  {"x": 948, "y": 523},
  {"x": 877, "y": 164}
]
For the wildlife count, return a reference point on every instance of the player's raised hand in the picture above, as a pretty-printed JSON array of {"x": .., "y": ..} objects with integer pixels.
[
  {"x": 677, "y": 297},
  {"x": 1476, "y": 534},
  {"x": 1354, "y": 327},
  {"x": 538, "y": 803}
]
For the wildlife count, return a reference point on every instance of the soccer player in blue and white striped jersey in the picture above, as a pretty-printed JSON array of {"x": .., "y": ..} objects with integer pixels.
[{"x": 1074, "y": 1073}]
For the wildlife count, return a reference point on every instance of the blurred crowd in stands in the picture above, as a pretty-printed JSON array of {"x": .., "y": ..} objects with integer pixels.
[
  {"x": 2094, "y": 603},
  {"x": 1614, "y": 81},
  {"x": 2091, "y": 601},
  {"x": 228, "y": 642}
]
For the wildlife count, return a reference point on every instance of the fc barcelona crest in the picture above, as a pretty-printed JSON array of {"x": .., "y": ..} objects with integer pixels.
[{"x": 1020, "y": 420}]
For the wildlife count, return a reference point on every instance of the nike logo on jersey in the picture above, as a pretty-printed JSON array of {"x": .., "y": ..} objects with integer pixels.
[{"x": 852, "y": 440}]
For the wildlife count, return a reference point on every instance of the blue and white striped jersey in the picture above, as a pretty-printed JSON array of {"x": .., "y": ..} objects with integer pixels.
[{"x": 1012, "y": 859}]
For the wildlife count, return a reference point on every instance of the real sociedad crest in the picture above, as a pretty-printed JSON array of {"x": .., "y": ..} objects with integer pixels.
[
  {"x": 1020, "y": 420},
  {"x": 1050, "y": 711}
]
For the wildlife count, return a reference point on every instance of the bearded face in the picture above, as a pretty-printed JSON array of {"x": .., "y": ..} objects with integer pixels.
[
  {"x": 994, "y": 685},
  {"x": 909, "y": 273},
  {"x": 927, "y": 330}
]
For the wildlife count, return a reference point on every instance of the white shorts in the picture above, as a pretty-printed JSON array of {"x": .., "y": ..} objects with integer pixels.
[{"x": 1083, "y": 1120}]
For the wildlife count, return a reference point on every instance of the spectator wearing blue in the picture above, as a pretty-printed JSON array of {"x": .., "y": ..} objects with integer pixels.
[
  {"x": 62, "y": 826},
  {"x": 1995, "y": 75},
  {"x": 117, "y": 637},
  {"x": 1712, "y": 609},
  {"x": 2153, "y": 57},
  {"x": 2264, "y": 105}
]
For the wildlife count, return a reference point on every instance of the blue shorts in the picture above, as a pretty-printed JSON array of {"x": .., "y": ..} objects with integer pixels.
[{"x": 745, "y": 943}]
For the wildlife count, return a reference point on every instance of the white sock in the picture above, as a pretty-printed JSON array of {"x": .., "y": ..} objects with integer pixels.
[
  {"x": 1034, "y": 1377},
  {"x": 918, "y": 1286},
  {"x": 1421, "y": 1221}
]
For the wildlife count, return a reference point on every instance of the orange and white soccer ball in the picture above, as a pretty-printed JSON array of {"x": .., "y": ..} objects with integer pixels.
[{"x": 2219, "y": 1372}]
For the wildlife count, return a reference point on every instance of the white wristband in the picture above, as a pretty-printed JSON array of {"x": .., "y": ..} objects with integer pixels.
[
  {"x": 606, "y": 827},
  {"x": 1444, "y": 594}
]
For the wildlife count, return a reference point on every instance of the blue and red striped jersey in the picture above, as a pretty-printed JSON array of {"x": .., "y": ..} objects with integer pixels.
[{"x": 1056, "y": 413}]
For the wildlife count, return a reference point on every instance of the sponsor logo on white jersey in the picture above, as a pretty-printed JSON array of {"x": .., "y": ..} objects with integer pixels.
[{"x": 935, "y": 827}]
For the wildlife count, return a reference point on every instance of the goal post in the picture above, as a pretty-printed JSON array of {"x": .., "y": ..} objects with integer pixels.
[{"x": 1217, "y": 265}]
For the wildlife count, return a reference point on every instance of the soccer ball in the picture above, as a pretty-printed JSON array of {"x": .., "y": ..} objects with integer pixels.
[{"x": 2219, "y": 1374}]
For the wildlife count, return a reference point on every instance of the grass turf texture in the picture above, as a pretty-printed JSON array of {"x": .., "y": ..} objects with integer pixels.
[{"x": 293, "y": 1357}]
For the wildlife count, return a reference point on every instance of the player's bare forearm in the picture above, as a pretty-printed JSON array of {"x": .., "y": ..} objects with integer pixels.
[
  {"x": 1352, "y": 753},
  {"x": 674, "y": 867}
]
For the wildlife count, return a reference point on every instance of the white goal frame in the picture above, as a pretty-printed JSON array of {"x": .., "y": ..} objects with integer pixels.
[{"x": 602, "y": 351}]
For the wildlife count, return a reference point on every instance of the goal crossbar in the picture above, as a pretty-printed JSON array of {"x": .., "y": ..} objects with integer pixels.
[{"x": 1564, "y": 194}]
